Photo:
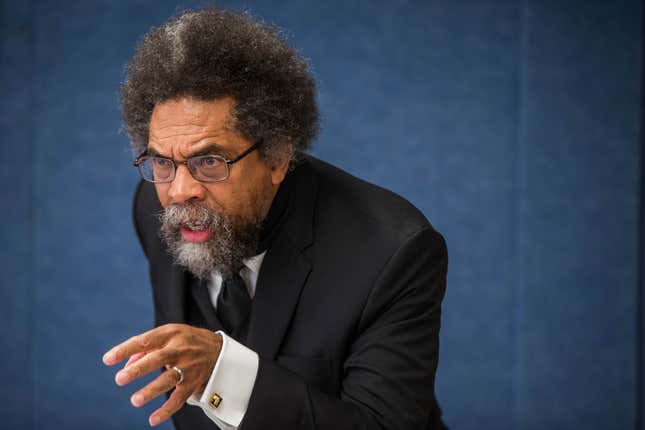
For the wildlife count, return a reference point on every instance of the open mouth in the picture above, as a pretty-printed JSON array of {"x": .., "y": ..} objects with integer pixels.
[{"x": 198, "y": 235}]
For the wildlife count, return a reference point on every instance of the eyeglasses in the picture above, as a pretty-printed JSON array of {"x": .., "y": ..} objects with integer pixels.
[{"x": 204, "y": 168}]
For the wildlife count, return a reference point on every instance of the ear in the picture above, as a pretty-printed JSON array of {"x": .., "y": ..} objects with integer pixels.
[
  {"x": 280, "y": 165},
  {"x": 279, "y": 170}
]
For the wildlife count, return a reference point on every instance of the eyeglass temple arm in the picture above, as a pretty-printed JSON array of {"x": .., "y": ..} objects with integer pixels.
[
  {"x": 252, "y": 148},
  {"x": 137, "y": 160},
  {"x": 245, "y": 153}
]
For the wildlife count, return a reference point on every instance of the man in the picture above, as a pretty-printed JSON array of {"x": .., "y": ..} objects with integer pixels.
[{"x": 287, "y": 293}]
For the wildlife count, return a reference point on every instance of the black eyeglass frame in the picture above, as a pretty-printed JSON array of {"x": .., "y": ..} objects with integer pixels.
[{"x": 144, "y": 155}]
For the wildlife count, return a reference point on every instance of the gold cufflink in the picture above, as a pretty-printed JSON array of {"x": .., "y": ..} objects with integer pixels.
[{"x": 215, "y": 400}]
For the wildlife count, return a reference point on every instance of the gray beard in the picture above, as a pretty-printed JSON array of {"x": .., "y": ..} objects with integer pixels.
[{"x": 230, "y": 242}]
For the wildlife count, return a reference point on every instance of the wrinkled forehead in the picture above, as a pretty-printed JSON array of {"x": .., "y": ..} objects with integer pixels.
[{"x": 184, "y": 126}]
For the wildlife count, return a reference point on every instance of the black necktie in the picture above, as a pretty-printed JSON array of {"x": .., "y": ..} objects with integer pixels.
[{"x": 233, "y": 306}]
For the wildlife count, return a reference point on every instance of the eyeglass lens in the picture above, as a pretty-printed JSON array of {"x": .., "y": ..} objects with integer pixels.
[{"x": 210, "y": 168}]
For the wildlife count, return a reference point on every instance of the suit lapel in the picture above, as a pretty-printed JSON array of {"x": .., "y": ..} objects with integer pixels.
[
  {"x": 281, "y": 279},
  {"x": 285, "y": 268}
]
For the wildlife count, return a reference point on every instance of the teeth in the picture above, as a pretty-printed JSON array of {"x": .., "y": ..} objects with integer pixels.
[{"x": 195, "y": 227}]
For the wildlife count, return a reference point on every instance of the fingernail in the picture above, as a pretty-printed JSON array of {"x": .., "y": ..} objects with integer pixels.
[
  {"x": 154, "y": 420},
  {"x": 137, "y": 400},
  {"x": 122, "y": 377},
  {"x": 108, "y": 357}
]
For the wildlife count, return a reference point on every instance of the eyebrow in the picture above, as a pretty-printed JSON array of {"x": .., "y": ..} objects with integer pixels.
[{"x": 210, "y": 149}]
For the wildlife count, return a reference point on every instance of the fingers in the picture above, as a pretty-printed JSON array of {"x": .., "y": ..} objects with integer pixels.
[
  {"x": 153, "y": 339},
  {"x": 198, "y": 349},
  {"x": 172, "y": 405},
  {"x": 164, "y": 382},
  {"x": 135, "y": 358},
  {"x": 151, "y": 362}
]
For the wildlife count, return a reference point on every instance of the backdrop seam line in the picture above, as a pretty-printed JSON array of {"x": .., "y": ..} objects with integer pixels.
[
  {"x": 640, "y": 286},
  {"x": 519, "y": 188},
  {"x": 32, "y": 230}
]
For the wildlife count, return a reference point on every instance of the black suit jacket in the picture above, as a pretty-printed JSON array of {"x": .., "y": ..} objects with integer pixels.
[{"x": 346, "y": 313}]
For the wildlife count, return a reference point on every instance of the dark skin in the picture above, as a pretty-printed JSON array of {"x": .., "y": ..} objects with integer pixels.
[
  {"x": 195, "y": 350},
  {"x": 180, "y": 129}
]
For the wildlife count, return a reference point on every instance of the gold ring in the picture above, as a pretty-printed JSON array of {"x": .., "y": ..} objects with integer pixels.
[{"x": 180, "y": 372}]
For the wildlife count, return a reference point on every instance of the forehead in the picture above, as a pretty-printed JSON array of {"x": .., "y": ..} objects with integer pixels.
[{"x": 179, "y": 125}]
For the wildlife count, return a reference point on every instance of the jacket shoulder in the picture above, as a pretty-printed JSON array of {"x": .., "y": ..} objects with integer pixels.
[{"x": 349, "y": 199}]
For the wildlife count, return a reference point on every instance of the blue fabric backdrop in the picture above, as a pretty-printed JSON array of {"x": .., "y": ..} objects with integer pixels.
[{"x": 513, "y": 125}]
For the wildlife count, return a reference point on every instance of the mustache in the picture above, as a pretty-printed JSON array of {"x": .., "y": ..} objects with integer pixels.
[{"x": 195, "y": 216}]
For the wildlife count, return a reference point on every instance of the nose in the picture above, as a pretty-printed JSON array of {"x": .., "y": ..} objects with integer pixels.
[{"x": 184, "y": 187}]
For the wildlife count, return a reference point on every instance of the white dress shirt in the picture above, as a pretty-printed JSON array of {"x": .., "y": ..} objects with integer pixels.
[{"x": 227, "y": 393}]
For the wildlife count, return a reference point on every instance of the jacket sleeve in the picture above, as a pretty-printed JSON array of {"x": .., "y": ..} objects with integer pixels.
[{"x": 389, "y": 370}]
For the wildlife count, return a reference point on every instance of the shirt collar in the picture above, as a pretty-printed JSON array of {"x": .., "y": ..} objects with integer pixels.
[{"x": 254, "y": 263}]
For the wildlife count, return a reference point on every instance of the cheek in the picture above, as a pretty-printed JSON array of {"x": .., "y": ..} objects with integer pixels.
[
  {"x": 260, "y": 197},
  {"x": 220, "y": 196},
  {"x": 244, "y": 194},
  {"x": 249, "y": 197},
  {"x": 230, "y": 197}
]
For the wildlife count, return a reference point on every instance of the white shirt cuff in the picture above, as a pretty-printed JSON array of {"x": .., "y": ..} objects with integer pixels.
[{"x": 231, "y": 382}]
